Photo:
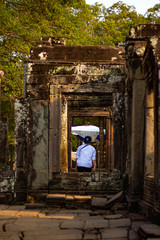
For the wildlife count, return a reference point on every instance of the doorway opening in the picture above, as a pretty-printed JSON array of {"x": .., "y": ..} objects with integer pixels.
[{"x": 101, "y": 140}]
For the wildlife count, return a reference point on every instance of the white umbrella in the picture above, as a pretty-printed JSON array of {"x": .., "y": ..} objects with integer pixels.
[{"x": 86, "y": 130}]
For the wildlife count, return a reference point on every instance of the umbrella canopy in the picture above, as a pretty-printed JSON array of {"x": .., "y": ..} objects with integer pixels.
[{"x": 85, "y": 130}]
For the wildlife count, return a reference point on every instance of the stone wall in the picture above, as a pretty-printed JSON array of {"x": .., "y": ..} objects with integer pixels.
[
  {"x": 3, "y": 143},
  {"x": 7, "y": 184},
  {"x": 143, "y": 93},
  {"x": 59, "y": 80},
  {"x": 98, "y": 183},
  {"x": 21, "y": 160}
]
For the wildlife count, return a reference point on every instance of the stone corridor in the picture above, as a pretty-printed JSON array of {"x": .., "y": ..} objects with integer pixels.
[{"x": 19, "y": 223}]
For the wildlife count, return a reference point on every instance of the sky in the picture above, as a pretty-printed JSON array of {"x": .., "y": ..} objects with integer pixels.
[{"x": 140, "y": 5}]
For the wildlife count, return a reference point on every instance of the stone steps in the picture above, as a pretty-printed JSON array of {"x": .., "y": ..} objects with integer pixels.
[
  {"x": 98, "y": 183},
  {"x": 68, "y": 201},
  {"x": 81, "y": 201}
]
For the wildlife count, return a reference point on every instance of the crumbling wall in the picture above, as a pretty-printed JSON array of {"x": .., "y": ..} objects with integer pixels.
[
  {"x": 3, "y": 143},
  {"x": 74, "y": 72},
  {"x": 7, "y": 183},
  {"x": 21, "y": 161},
  {"x": 143, "y": 81}
]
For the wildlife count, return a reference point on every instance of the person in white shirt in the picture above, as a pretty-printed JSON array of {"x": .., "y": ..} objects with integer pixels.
[{"x": 86, "y": 157}]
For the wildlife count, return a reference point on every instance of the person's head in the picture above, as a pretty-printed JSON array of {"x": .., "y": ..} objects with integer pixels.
[{"x": 87, "y": 139}]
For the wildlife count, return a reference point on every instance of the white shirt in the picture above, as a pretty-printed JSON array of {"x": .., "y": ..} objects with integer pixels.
[{"x": 85, "y": 155}]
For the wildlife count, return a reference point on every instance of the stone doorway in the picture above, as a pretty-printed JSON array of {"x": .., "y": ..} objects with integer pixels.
[
  {"x": 64, "y": 109},
  {"x": 104, "y": 142}
]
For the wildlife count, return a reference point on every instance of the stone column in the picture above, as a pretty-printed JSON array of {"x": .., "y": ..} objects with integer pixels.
[
  {"x": 157, "y": 136},
  {"x": 3, "y": 143},
  {"x": 101, "y": 142},
  {"x": 137, "y": 137},
  {"x": 54, "y": 131},
  {"x": 109, "y": 144},
  {"x": 20, "y": 108},
  {"x": 119, "y": 131},
  {"x": 64, "y": 136},
  {"x": 135, "y": 50},
  {"x": 38, "y": 145},
  {"x": 1, "y": 76}
]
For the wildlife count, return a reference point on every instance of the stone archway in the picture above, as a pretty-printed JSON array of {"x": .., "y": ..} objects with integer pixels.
[
  {"x": 62, "y": 110},
  {"x": 54, "y": 75},
  {"x": 104, "y": 147}
]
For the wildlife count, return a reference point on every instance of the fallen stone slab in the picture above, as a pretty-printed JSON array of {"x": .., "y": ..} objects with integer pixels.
[
  {"x": 137, "y": 217},
  {"x": 8, "y": 213},
  {"x": 3, "y": 206},
  {"x": 75, "y": 224},
  {"x": 136, "y": 225},
  {"x": 50, "y": 235},
  {"x": 91, "y": 235},
  {"x": 4, "y": 223},
  {"x": 117, "y": 238},
  {"x": 101, "y": 211},
  {"x": 113, "y": 216},
  {"x": 22, "y": 227},
  {"x": 112, "y": 233},
  {"x": 16, "y": 207},
  {"x": 115, "y": 223},
  {"x": 98, "y": 202},
  {"x": 88, "y": 218},
  {"x": 82, "y": 201},
  {"x": 28, "y": 213},
  {"x": 153, "y": 238},
  {"x": 97, "y": 217},
  {"x": 133, "y": 235},
  {"x": 3, "y": 218},
  {"x": 9, "y": 236},
  {"x": 69, "y": 201},
  {"x": 96, "y": 223},
  {"x": 75, "y": 211},
  {"x": 149, "y": 230},
  {"x": 114, "y": 199},
  {"x": 35, "y": 205},
  {"x": 55, "y": 200},
  {"x": 39, "y": 221}
]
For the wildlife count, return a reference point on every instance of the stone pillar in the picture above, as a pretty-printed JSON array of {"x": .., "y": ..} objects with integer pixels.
[
  {"x": 109, "y": 144},
  {"x": 54, "y": 131},
  {"x": 150, "y": 134},
  {"x": 157, "y": 137},
  {"x": 20, "y": 149},
  {"x": 64, "y": 136},
  {"x": 137, "y": 137},
  {"x": 101, "y": 142},
  {"x": 3, "y": 143},
  {"x": 1, "y": 76},
  {"x": 135, "y": 51},
  {"x": 119, "y": 131},
  {"x": 38, "y": 145}
]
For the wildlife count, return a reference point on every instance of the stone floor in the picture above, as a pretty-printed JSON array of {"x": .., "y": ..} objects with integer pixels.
[{"x": 18, "y": 223}]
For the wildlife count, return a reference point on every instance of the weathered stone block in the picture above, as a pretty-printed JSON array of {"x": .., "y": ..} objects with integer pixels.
[
  {"x": 3, "y": 143},
  {"x": 115, "y": 223},
  {"x": 94, "y": 224},
  {"x": 114, "y": 233},
  {"x": 38, "y": 144},
  {"x": 149, "y": 230}
]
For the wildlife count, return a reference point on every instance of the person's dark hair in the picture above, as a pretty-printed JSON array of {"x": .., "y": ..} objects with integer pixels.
[{"x": 87, "y": 139}]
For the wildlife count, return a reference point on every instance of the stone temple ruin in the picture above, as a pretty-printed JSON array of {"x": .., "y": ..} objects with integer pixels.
[{"x": 119, "y": 86}]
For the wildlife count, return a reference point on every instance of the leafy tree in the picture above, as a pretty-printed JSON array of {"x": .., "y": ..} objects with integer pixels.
[
  {"x": 23, "y": 22},
  {"x": 153, "y": 14},
  {"x": 123, "y": 16}
]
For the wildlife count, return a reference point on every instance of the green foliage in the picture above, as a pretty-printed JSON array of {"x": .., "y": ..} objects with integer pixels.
[
  {"x": 153, "y": 14},
  {"x": 23, "y": 22}
]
